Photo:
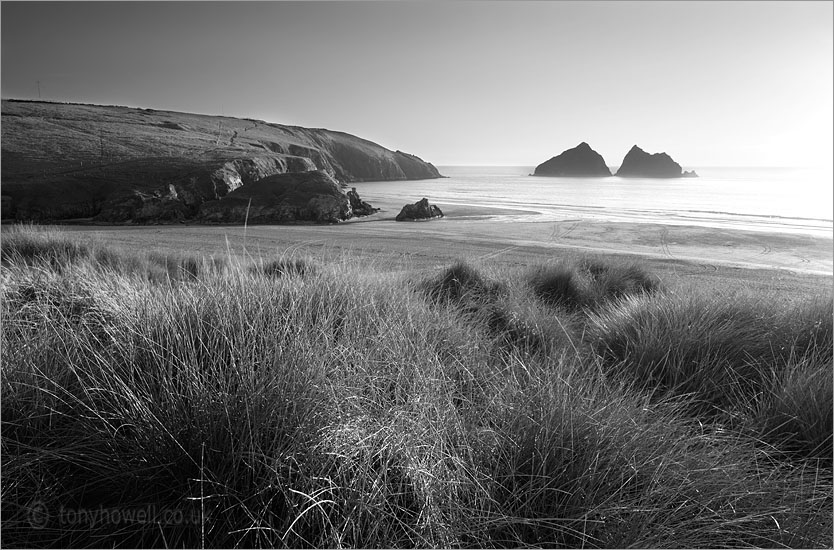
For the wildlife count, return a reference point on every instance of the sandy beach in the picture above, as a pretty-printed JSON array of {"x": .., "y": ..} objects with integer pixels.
[{"x": 481, "y": 234}]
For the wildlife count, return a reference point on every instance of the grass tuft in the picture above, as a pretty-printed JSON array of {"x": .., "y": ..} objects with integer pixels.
[
  {"x": 282, "y": 267},
  {"x": 613, "y": 281},
  {"x": 558, "y": 286},
  {"x": 590, "y": 284},
  {"x": 796, "y": 412},
  {"x": 461, "y": 283},
  {"x": 722, "y": 353},
  {"x": 33, "y": 245}
]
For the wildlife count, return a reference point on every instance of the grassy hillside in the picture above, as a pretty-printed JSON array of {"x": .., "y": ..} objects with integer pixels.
[
  {"x": 65, "y": 161},
  {"x": 167, "y": 400}
]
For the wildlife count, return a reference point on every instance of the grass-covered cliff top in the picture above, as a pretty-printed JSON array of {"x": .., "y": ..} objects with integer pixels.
[
  {"x": 67, "y": 161},
  {"x": 287, "y": 402}
]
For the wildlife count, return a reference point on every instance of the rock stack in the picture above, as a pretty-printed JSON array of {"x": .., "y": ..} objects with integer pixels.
[{"x": 581, "y": 161}]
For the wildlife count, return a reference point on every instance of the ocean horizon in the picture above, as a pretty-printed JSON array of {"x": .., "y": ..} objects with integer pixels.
[{"x": 776, "y": 199}]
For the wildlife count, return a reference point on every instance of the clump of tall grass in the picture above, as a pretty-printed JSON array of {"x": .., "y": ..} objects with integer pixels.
[
  {"x": 558, "y": 286},
  {"x": 582, "y": 463},
  {"x": 195, "y": 386},
  {"x": 41, "y": 246},
  {"x": 589, "y": 284},
  {"x": 500, "y": 308},
  {"x": 723, "y": 353},
  {"x": 281, "y": 267},
  {"x": 51, "y": 249},
  {"x": 795, "y": 412},
  {"x": 256, "y": 393},
  {"x": 615, "y": 280},
  {"x": 343, "y": 408},
  {"x": 462, "y": 283}
]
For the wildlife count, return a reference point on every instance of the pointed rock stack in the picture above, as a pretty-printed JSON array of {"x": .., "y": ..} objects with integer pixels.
[
  {"x": 581, "y": 161},
  {"x": 640, "y": 164}
]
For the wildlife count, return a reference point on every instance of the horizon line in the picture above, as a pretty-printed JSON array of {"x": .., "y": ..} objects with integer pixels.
[{"x": 613, "y": 167}]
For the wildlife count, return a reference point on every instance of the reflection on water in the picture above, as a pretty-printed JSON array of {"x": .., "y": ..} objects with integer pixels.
[{"x": 782, "y": 200}]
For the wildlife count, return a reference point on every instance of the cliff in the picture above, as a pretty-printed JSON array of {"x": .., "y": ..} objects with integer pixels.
[
  {"x": 115, "y": 164},
  {"x": 640, "y": 164},
  {"x": 581, "y": 161},
  {"x": 282, "y": 198}
]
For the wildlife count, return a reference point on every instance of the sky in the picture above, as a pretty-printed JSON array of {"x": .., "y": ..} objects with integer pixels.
[{"x": 457, "y": 83}]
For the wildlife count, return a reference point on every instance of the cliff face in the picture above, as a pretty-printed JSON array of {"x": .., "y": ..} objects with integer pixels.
[
  {"x": 581, "y": 161},
  {"x": 640, "y": 164},
  {"x": 117, "y": 164},
  {"x": 415, "y": 168},
  {"x": 282, "y": 198}
]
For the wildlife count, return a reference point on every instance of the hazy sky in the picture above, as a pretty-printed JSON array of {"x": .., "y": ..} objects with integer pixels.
[{"x": 512, "y": 83}]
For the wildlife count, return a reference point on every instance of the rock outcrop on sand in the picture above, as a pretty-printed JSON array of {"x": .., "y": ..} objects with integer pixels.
[
  {"x": 282, "y": 198},
  {"x": 359, "y": 207},
  {"x": 120, "y": 164},
  {"x": 581, "y": 161},
  {"x": 420, "y": 210},
  {"x": 640, "y": 164}
]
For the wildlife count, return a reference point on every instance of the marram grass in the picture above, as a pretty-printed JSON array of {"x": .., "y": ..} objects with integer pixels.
[{"x": 177, "y": 401}]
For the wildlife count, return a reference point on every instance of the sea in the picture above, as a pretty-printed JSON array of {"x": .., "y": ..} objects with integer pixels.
[{"x": 780, "y": 200}]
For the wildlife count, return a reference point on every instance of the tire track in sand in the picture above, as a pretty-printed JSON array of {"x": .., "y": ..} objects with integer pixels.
[{"x": 497, "y": 253}]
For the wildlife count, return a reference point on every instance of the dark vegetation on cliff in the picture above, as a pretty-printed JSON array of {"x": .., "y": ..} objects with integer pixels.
[
  {"x": 581, "y": 161},
  {"x": 286, "y": 402},
  {"x": 64, "y": 161}
]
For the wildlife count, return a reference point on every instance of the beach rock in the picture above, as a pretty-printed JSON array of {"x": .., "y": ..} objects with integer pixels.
[
  {"x": 282, "y": 198},
  {"x": 581, "y": 161},
  {"x": 359, "y": 207},
  {"x": 640, "y": 164},
  {"x": 122, "y": 164},
  {"x": 421, "y": 210}
]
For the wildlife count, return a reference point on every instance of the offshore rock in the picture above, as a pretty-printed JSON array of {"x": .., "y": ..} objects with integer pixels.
[
  {"x": 421, "y": 210},
  {"x": 640, "y": 164},
  {"x": 581, "y": 161}
]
